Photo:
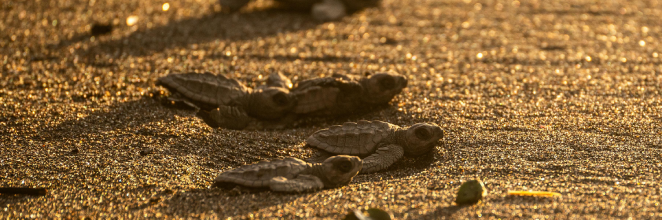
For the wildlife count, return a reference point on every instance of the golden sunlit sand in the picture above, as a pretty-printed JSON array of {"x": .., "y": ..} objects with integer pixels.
[{"x": 555, "y": 96}]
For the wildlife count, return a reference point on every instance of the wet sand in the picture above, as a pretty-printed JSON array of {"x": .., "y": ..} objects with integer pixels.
[{"x": 560, "y": 96}]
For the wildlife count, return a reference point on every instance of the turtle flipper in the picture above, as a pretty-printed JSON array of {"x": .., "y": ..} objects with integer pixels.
[
  {"x": 384, "y": 157},
  {"x": 277, "y": 79},
  {"x": 231, "y": 117},
  {"x": 301, "y": 183},
  {"x": 329, "y": 10}
]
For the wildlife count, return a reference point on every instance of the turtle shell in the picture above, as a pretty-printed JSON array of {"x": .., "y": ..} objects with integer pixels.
[
  {"x": 335, "y": 95},
  {"x": 259, "y": 174},
  {"x": 316, "y": 99},
  {"x": 205, "y": 90},
  {"x": 358, "y": 139}
]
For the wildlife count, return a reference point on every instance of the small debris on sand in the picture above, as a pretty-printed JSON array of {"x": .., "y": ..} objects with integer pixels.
[
  {"x": 23, "y": 191},
  {"x": 533, "y": 193}
]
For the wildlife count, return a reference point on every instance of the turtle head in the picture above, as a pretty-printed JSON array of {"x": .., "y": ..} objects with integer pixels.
[
  {"x": 382, "y": 87},
  {"x": 421, "y": 138},
  {"x": 271, "y": 103},
  {"x": 339, "y": 170}
]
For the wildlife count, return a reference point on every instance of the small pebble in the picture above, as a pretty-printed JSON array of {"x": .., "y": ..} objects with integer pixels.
[
  {"x": 470, "y": 192},
  {"x": 145, "y": 152}
]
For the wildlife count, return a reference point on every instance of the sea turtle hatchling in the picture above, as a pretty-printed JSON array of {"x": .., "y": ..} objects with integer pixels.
[
  {"x": 209, "y": 92},
  {"x": 294, "y": 175},
  {"x": 332, "y": 96},
  {"x": 379, "y": 143},
  {"x": 342, "y": 94}
]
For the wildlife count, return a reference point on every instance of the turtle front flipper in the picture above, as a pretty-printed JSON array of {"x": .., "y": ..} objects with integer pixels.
[
  {"x": 231, "y": 117},
  {"x": 277, "y": 79},
  {"x": 302, "y": 183},
  {"x": 384, "y": 157},
  {"x": 329, "y": 10}
]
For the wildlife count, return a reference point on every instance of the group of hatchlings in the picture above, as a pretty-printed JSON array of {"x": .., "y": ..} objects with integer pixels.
[{"x": 343, "y": 150}]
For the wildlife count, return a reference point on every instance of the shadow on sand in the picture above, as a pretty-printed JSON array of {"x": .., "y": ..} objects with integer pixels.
[
  {"x": 253, "y": 24},
  {"x": 149, "y": 122},
  {"x": 443, "y": 212}
]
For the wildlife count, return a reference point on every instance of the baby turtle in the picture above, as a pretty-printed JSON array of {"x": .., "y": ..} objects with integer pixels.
[
  {"x": 209, "y": 92},
  {"x": 470, "y": 192},
  {"x": 327, "y": 96},
  {"x": 294, "y": 175},
  {"x": 380, "y": 144},
  {"x": 322, "y": 10},
  {"x": 346, "y": 94}
]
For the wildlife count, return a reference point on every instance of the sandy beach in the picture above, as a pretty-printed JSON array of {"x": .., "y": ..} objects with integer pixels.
[{"x": 559, "y": 96}]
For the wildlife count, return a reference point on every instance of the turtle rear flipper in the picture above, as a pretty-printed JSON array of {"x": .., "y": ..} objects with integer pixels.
[
  {"x": 328, "y": 10},
  {"x": 384, "y": 157},
  {"x": 277, "y": 79},
  {"x": 302, "y": 183}
]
